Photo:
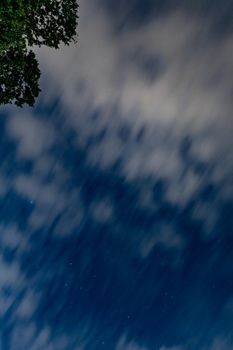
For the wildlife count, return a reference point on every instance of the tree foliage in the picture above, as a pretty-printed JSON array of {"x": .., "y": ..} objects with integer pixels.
[
  {"x": 19, "y": 76},
  {"x": 51, "y": 22},
  {"x": 23, "y": 24}
]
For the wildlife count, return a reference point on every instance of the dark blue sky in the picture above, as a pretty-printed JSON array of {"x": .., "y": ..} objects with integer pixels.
[{"x": 116, "y": 196}]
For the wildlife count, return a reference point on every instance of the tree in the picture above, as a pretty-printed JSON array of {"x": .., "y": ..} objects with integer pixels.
[
  {"x": 19, "y": 77},
  {"x": 51, "y": 22},
  {"x": 23, "y": 24}
]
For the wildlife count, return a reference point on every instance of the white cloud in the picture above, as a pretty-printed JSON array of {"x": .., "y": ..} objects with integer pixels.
[
  {"x": 123, "y": 344},
  {"x": 191, "y": 95},
  {"x": 165, "y": 237},
  {"x": 27, "y": 306},
  {"x": 9, "y": 236},
  {"x": 221, "y": 344},
  {"x": 49, "y": 201},
  {"x": 33, "y": 136},
  {"x": 70, "y": 220},
  {"x": 30, "y": 187},
  {"x": 10, "y": 277},
  {"x": 22, "y": 336},
  {"x": 100, "y": 64},
  {"x": 102, "y": 210},
  {"x": 9, "y": 273},
  {"x": 172, "y": 348}
]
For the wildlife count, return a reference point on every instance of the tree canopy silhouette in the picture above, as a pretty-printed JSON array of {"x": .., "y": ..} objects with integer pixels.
[
  {"x": 23, "y": 24},
  {"x": 19, "y": 76}
]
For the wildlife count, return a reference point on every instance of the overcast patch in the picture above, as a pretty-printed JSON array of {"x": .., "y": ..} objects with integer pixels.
[
  {"x": 188, "y": 92},
  {"x": 32, "y": 135}
]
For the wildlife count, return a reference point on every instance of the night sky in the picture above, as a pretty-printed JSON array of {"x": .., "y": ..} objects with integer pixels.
[{"x": 116, "y": 189}]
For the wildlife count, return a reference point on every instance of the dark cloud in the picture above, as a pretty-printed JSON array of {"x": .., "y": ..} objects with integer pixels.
[{"x": 137, "y": 13}]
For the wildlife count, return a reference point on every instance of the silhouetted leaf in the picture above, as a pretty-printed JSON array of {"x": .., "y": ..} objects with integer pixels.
[{"x": 23, "y": 24}]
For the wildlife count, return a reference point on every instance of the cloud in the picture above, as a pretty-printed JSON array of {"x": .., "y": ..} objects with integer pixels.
[
  {"x": 123, "y": 344},
  {"x": 194, "y": 86},
  {"x": 105, "y": 64},
  {"x": 109, "y": 77},
  {"x": 11, "y": 239},
  {"x": 172, "y": 348},
  {"x": 9, "y": 273},
  {"x": 33, "y": 136},
  {"x": 20, "y": 300},
  {"x": 165, "y": 237},
  {"x": 51, "y": 203},
  {"x": 223, "y": 344},
  {"x": 102, "y": 210},
  {"x": 35, "y": 191}
]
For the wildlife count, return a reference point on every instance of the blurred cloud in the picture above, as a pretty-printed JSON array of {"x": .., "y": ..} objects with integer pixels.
[
  {"x": 190, "y": 95},
  {"x": 34, "y": 136},
  {"x": 124, "y": 345}
]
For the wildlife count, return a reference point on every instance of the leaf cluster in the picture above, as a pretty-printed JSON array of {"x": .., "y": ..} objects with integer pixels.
[
  {"x": 19, "y": 76},
  {"x": 23, "y": 24}
]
